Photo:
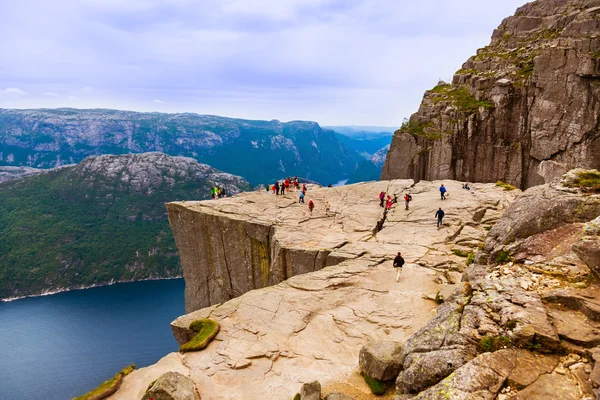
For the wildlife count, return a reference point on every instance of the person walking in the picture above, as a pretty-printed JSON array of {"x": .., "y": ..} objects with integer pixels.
[
  {"x": 390, "y": 203},
  {"x": 381, "y": 198},
  {"x": 407, "y": 200},
  {"x": 398, "y": 263},
  {"x": 443, "y": 191},
  {"x": 440, "y": 216},
  {"x": 301, "y": 198},
  {"x": 311, "y": 206}
]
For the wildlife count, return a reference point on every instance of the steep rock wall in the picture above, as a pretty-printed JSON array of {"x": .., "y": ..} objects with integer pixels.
[
  {"x": 225, "y": 255},
  {"x": 532, "y": 95}
]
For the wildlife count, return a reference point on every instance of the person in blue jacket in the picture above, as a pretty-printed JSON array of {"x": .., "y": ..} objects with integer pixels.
[
  {"x": 443, "y": 192},
  {"x": 440, "y": 216}
]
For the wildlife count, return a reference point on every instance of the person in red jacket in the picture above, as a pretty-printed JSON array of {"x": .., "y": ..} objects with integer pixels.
[{"x": 311, "y": 205}]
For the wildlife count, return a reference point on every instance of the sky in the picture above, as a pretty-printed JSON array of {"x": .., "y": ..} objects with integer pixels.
[{"x": 337, "y": 62}]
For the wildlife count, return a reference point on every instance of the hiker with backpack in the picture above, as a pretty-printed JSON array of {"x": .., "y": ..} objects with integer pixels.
[
  {"x": 389, "y": 204},
  {"x": 381, "y": 198},
  {"x": 301, "y": 197},
  {"x": 440, "y": 216},
  {"x": 398, "y": 263},
  {"x": 443, "y": 192},
  {"x": 407, "y": 200}
]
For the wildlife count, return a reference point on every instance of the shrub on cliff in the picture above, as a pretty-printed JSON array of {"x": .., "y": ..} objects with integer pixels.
[{"x": 108, "y": 387}]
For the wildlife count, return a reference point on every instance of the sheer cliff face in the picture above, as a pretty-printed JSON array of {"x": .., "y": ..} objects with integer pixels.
[{"x": 532, "y": 95}]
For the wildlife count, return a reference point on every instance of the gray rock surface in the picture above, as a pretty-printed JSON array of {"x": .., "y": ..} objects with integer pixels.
[
  {"x": 338, "y": 396},
  {"x": 172, "y": 386},
  {"x": 381, "y": 359},
  {"x": 528, "y": 97},
  {"x": 11, "y": 173},
  {"x": 311, "y": 391}
]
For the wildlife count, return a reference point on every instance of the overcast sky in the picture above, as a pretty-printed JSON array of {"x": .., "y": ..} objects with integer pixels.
[{"x": 337, "y": 62}]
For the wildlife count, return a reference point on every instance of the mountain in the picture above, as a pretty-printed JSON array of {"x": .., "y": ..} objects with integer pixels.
[
  {"x": 260, "y": 151},
  {"x": 365, "y": 140},
  {"x": 370, "y": 169},
  {"x": 532, "y": 95},
  {"x": 100, "y": 221},
  {"x": 10, "y": 173}
]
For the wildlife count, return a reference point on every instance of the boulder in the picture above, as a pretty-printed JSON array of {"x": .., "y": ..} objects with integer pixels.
[
  {"x": 550, "y": 386},
  {"x": 588, "y": 247},
  {"x": 311, "y": 391},
  {"x": 172, "y": 386},
  {"x": 381, "y": 359}
]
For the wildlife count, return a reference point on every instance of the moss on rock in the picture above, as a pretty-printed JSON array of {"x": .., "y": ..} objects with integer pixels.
[
  {"x": 109, "y": 387},
  {"x": 206, "y": 330}
]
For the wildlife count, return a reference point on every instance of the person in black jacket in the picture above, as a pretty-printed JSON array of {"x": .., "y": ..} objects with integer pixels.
[
  {"x": 440, "y": 216},
  {"x": 398, "y": 263}
]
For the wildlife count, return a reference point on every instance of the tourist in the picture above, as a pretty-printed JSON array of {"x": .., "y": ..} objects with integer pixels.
[
  {"x": 301, "y": 198},
  {"x": 267, "y": 187},
  {"x": 223, "y": 193},
  {"x": 398, "y": 263},
  {"x": 440, "y": 216},
  {"x": 381, "y": 198},
  {"x": 327, "y": 208},
  {"x": 443, "y": 192},
  {"x": 311, "y": 206},
  {"x": 277, "y": 187},
  {"x": 390, "y": 203},
  {"x": 407, "y": 200},
  {"x": 468, "y": 187},
  {"x": 304, "y": 188},
  {"x": 282, "y": 188}
]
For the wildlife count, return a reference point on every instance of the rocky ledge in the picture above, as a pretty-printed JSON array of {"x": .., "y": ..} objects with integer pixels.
[{"x": 340, "y": 290}]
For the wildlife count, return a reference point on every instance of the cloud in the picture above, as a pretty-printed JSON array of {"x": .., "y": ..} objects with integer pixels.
[
  {"x": 334, "y": 61},
  {"x": 71, "y": 97},
  {"x": 158, "y": 101},
  {"x": 13, "y": 92},
  {"x": 50, "y": 94}
]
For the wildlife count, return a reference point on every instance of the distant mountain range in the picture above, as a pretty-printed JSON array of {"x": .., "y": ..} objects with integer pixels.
[
  {"x": 370, "y": 169},
  {"x": 100, "y": 221},
  {"x": 260, "y": 151}
]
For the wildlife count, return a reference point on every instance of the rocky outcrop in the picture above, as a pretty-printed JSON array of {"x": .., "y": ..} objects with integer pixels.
[
  {"x": 313, "y": 325},
  {"x": 10, "y": 173},
  {"x": 172, "y": 386},
  {"x": 532, "y": 95},
  {"x": 381, "y": 359}
]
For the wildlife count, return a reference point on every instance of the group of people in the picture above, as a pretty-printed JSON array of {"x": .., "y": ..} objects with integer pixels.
[
  {"x": 388, "y": 202},
  {"x": 280, "y": 187},
  {"x": 217, "y": 192}
]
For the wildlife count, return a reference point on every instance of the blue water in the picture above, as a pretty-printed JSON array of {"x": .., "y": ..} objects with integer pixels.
[{"x": 61, "y": 346}]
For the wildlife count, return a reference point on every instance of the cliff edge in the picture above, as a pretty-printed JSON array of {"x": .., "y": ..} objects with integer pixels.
[{"x": 532, "y": 95}]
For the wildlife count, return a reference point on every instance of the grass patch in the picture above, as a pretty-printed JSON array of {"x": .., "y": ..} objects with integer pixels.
[
  {"x": 470, "y": 258},
  {"x": 503, "y": 257},
  {"x": 108, "y": 387},
  {"x": 419, "y": 129},
  {"x": 460, "y": 253},
  {"x": 489, "y": 343},
  {"x": 377, "y": 387},
  {"x": 505, "y": 186},
  {"x": 512, "y": 324},
  {"x": 297, "y": 396},
  {"x": 586, "y": 180},
  {"x": 206, "y": 330}
]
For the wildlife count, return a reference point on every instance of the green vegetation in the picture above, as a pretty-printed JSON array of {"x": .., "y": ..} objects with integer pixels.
[
  {"x": 491, "y": 343},
  {"x": 588, "y": 181},
  {"x": 377, "y": 387},
  {"x": 438, "y": 299},
  {"x": 420, "y": 129},
  {"x": 595, "y": 55},
  {"x": 66, "y": 228},
  {"x": 505, "y": 186},
  {"x": 460, "y": 253},
  {"x": 512, "y": 324},
  {"x": 297, "y": 396},
  {"x": 503, "y": 257},
  {"x": 108, "y": 387},
  {"x": 459, "y": 97},
  {"x": 470, "y": 258},
  {"x": 206, "y": 330}
]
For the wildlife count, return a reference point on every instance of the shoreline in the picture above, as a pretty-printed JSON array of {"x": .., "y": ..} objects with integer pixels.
[{"x": 74, "y": 288}]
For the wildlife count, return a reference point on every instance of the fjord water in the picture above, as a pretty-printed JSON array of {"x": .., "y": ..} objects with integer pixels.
[{"x": 61, "y": 346}]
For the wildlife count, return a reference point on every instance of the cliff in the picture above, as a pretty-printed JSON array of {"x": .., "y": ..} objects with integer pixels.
[
  {"x": 312, "y": 325},
  {"x": 260, "y": 151},
  {"x": 532, "y": 95},
  {"x": 97, "y": 222}
]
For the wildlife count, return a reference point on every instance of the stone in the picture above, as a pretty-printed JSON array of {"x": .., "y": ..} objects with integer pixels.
[
  {"x": 529, "y": 367},
  {"x": 172, "y": 386},
  {"x": 311, "y": 391},
  {"x": 534, "y": 98},
  {"x": 550, "y": 386},
  {"x": 381, "y": 359}
]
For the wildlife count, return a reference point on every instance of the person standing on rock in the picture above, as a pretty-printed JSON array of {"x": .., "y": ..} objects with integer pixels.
[
  {"x": 381, "y": 198},
  {"x": 311, "y": 206},
  {"x": 443, "y": 192},
  {"x": 282, "y": 188},
  {"x": 268, "y": 187},
  {"x": 440, "y": 216},
  {"x": 304, "y": 188},
  {"x": 277, "y": 187},
  {"x": 398, "y": 263},
  {"x": 301, "y": 197},
  {"x": 389, "y": 204},
  {"x": 407, "y": 200}
]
